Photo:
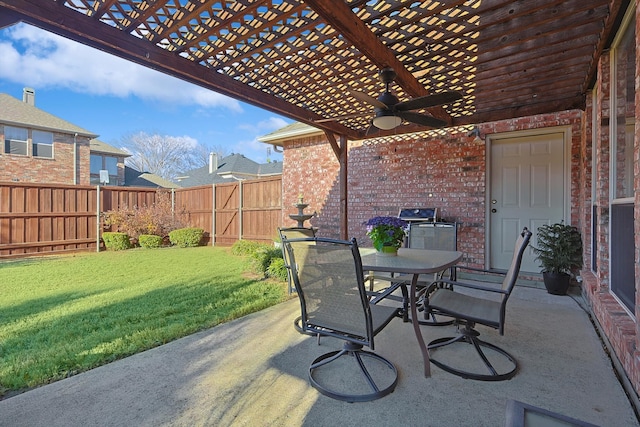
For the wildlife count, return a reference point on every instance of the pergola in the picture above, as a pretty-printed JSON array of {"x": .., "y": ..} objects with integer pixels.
[{"x": 301, "y": 58}]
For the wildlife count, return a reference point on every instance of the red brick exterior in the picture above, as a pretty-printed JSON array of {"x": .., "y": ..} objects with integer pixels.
[
  {"x": 447, "y": 171},
  {"x": 59, "y": 170}
]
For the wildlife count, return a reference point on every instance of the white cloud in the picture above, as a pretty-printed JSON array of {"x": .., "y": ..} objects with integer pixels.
[
  {"x": 256, "y": 150},
  {"x": 37, "y": 58},
  {"x": 264, "y": 126}
]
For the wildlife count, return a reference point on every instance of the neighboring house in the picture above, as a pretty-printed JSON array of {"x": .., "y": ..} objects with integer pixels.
[
  {"x": 234, "y": 167},
  {"x": 40, "y": 147},
  {"x": 134, "y": 178}
]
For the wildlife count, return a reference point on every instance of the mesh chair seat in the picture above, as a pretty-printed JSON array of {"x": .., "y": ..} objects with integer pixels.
[{"x": 468, "y": 307}]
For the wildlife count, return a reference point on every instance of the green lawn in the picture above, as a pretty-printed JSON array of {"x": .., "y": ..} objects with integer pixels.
[{"x": 63, "y": 315}]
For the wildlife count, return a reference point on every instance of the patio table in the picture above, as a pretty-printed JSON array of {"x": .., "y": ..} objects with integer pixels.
[{"x": 414, "y": 262}]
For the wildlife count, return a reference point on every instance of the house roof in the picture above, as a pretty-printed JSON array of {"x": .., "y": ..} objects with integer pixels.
[
  {"x": 135, "y": 178},
  {"x": 98, "y": 146},
  {"x": 304, "y": 59},
  {"x": 288, "y": 132},
  {"x": 230, "y": 168},
  {"x": 15, "y": 112}
]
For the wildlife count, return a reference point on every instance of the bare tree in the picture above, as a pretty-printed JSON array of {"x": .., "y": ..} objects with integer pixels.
[
  {"x": 201, "y": 154},
  {"x": 166, "y": 156}
]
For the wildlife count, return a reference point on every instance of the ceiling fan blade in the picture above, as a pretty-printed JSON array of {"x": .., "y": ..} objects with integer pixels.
[
  {"x": 429, "y": 101},
  {"x": 421, "y": 119},
  {"x": 368, "y": 99}
]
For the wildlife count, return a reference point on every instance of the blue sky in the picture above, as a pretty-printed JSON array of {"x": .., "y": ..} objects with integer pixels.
[{"x": 114, "y": 98}]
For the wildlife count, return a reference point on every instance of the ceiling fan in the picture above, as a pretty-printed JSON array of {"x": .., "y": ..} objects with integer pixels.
[{"x": 390, "y": 112}]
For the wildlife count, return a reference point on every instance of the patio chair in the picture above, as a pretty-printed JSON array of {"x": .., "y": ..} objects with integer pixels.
[
  {"x": 482, "y": 304},
  {"x": 292, "y": 233},
  {"x": 329, "y": 281}
]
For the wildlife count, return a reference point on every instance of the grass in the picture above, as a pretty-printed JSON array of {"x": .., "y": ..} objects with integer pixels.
[{"x": 63, "y": 315}]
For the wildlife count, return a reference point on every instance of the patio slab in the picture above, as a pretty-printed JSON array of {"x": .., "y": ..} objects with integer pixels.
[{"x": 253, "y": 372}]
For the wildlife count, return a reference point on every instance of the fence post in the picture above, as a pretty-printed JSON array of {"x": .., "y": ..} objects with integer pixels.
[
  {"x": 240, "y": 199},
  {"x": 98, "y": 218},
  {"x": 213, "y": 215},
  {"x": 173, "y": 203}
]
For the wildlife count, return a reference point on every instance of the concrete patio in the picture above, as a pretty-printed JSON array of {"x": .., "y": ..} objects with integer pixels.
[{"x": 253, "y": 372}]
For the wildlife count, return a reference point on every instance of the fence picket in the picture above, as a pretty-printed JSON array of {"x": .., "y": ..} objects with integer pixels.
[{"x": 40, "y": 219}]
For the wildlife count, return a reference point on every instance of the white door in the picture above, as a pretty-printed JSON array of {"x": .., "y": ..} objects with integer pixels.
[{"x": 527, "y": 189}]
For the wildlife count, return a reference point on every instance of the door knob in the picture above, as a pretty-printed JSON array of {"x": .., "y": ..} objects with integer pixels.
[{"x": 494, "y": 210}]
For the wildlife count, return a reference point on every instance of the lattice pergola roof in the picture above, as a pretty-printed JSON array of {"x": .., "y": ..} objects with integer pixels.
[{"x": 300, "y": 58}]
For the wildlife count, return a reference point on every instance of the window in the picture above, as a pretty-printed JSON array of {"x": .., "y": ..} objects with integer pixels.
[
  {"x": 100, "y": 162},
  {"x": 111, "y": 164},
  {"x": 622, "y": 245},
  {"x": 96, "y": 164},
  {"x": 15, "y": 140},
  {"x": 42, "y": 144}
]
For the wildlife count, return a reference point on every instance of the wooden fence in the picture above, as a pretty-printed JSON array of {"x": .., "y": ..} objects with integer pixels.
[{"x": 47, "y": 219}]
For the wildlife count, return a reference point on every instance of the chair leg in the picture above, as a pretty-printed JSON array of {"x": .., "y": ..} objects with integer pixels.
[
  {"x": 468, "y": 335},
  {"x": 298, "y": 327},
  {"x": 380, "y": 380},
  {"x": 429, "y": 316}
]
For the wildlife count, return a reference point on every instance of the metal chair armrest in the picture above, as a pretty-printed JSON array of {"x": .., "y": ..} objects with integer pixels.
[{"x": 467, "y": 285}]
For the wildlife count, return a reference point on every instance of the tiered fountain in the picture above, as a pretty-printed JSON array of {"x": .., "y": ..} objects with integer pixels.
[{"x": 301, "y": 217}]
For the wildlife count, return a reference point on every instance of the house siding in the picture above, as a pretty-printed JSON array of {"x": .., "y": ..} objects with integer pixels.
[{"x": 58, "y": 170}]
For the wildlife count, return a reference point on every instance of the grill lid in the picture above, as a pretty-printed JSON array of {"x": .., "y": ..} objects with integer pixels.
[{"x": 418, "y": 214}]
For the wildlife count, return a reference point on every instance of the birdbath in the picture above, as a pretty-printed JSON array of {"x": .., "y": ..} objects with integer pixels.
[{"x": 301, "y": 217}]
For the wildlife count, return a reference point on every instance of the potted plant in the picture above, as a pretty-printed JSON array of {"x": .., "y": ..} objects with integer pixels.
[
  {"x": 387, "y": 233},
  {"x": 559, "y": 251}
]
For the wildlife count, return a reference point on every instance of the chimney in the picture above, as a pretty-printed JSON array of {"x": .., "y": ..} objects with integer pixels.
[
  {"x": 29, "y": 96},
  {"x": 213, "y": 162}
]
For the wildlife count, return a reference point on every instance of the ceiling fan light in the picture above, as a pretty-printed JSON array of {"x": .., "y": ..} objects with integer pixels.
[{"x": 386, "y": 120}]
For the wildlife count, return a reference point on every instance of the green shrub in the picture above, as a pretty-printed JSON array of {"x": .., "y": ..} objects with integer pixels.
[
  {"x": 150, "y": 241},
  {"x": 186, "y": 237},
  {"x": 115, "y": 241},
  {"x": 245, "y": 247},
  {"x": 277, "y": 270},
  {"x": 261, "y": 258}
]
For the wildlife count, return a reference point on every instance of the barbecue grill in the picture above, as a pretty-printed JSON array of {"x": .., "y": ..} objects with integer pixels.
[{"x": 426, "y": 232}]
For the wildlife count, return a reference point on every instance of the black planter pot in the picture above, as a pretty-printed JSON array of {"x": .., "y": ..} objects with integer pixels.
[{"x": 556, "y": 283}]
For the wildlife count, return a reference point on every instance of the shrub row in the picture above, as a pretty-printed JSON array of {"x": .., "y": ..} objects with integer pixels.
[{"x": 182, "y": 237}]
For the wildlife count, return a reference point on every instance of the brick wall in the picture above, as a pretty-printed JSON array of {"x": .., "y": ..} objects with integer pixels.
[
  {"x": 620, "y": 328},
  {"x": 58, "y": 170},
  {"x": 447, "y": 171}
]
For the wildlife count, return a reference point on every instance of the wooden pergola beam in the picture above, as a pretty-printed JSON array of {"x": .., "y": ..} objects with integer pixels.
[
  {"x": 76, "y": 26},
  {"x": 340, "y": 16},
  {"x": 340, "y": 150}
]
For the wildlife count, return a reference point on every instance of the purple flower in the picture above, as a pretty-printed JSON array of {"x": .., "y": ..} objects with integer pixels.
[{"x": 386, "y": 231}]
